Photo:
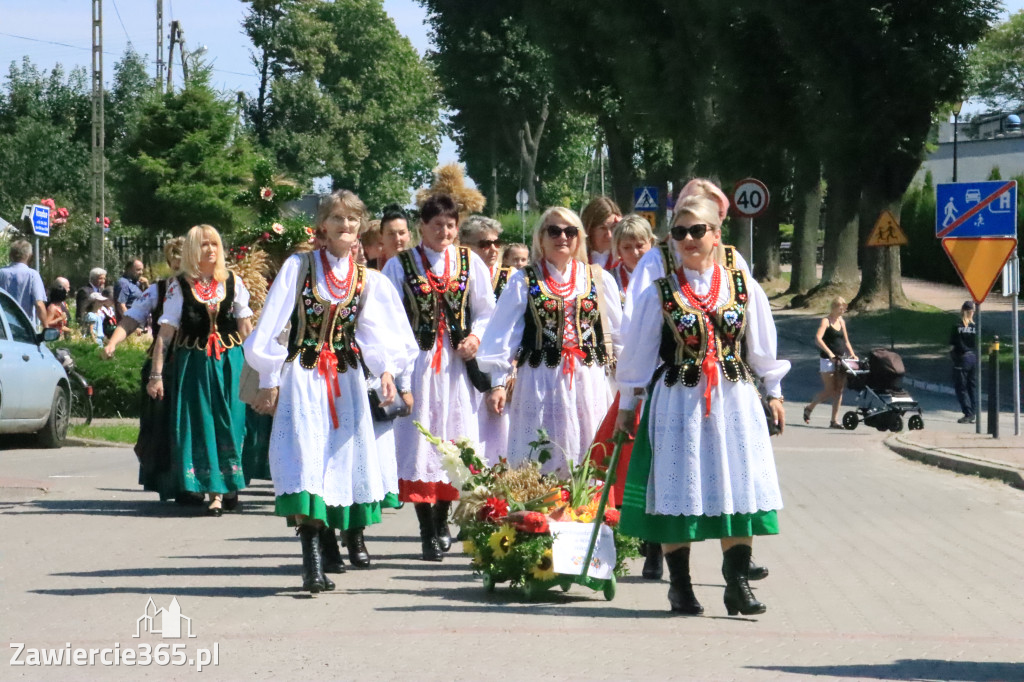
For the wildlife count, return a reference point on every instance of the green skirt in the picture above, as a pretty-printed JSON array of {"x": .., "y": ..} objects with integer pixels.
[
  {"x": 256, "y": 448},
  {"x": 667, "y": 528},
  {"x": 355, "y": 516},
  {"x": 208, "y": 420}
]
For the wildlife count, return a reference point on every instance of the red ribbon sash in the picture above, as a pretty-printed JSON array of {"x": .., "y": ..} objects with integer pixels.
[
  {"x": 214, "y": 347},
  {"x": 569, "y": 354}
]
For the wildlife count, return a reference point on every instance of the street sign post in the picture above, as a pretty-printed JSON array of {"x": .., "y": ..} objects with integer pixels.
[
  {"x": 750, "y": 199},
  {"x": 887, "y": 232},
  {"x": 977, "y": 223},
  {"x": 522, "y": 201},
  {"x": 39, "y": 217}
]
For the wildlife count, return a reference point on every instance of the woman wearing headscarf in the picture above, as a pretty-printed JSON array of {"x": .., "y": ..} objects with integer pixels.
[
  {"x": 702, "y": 465},
  {"x": 205, "y": 317},
  {"x": 329, "y": 469},
  {"x": 559, "y": 320}
]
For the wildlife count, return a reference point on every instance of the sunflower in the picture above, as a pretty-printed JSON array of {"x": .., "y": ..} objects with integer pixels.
[
  {"x": 545, "y": 568},
  {"x": 501, "y": 541},
  {"x": 468, "y": 547}
]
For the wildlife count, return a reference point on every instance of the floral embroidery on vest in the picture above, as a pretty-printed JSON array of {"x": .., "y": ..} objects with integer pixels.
[
  {"x": 318, "y": 328},
  {"x": 545, "y": 330},
  {"x": 421, "y": 305}
]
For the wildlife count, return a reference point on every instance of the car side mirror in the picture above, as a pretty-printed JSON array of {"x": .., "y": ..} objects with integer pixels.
[{"x": 48, "y": 335}]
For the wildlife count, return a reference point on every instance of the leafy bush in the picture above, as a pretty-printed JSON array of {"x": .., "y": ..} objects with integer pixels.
[
  {"x": 115, "y": 382},
  {"x": 512, "y": 226}
]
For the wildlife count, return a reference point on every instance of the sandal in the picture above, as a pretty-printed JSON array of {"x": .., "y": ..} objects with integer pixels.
[
  {"x": 836, "y": 425},
  {"x": 215, "y": 508},
  {"x": 807, "y": 414}
]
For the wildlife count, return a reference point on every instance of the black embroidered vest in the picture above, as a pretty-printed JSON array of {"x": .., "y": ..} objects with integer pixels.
[
  {"x": 545, "y": 324},
  {"x": 318, "y": 322},
  {"x": 499, "y": 280},
  {"x": 684, "y": 335},
  {"x": 199, "y": 320},
  {"x": 423, "y": 308},
  {"x": 158, "y": 311}
]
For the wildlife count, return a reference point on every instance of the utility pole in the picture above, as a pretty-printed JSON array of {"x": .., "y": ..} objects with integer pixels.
[
  {"x": 177, "y": 36},
  {"x": 160, "y": 45},
  {"x": 98, "y": 203}
]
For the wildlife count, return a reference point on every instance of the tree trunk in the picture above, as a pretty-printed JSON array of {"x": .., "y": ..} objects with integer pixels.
[
  {"x": 839, "y": 275},
  {"x": 529, "y": 148},
  {"x": 804, "y": 249},
  {"x": 620, "y": 163},
  {"x": 766, "y": 265}
]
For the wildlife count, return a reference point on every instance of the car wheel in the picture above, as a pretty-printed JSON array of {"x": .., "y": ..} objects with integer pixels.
[{"x": 55, "y": 432}]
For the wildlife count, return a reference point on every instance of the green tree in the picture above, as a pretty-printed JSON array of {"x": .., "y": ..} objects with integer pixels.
[
  {"x": 997, "y": 65},
  {"x": 185, "y": 163}
]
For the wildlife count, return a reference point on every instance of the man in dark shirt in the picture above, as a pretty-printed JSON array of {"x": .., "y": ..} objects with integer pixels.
[
  {"x": 963, "y": 340},
  {"x": 97, "y": 285},
  {"x": 127, "y": 290}
]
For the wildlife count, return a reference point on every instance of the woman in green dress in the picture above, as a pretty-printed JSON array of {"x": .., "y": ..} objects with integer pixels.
[{"x": 206, "y": 318}]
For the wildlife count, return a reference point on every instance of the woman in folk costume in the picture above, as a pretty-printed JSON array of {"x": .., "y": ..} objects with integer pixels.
[
  {"x": 446, "y": 290},
  {"x": 599, "y": 218},
  {"x": 342, "y": 319},
  {"x": 559, "y": 320},
  {"x": 664, "y": 258},
  {"x": 206, "y": 317},
  {"x": 153, "y": 448},
  {"x": 483, "y": 236},
  {"x": 632, "y": 237},
  {"x": 702, "y": 465}
]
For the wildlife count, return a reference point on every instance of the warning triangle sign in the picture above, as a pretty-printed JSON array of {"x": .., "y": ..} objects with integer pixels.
[
  {"x": 979, "y": 261},
  {"x": 887, "y": 231}
]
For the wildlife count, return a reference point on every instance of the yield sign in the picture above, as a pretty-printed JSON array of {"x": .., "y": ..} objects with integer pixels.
[
  {"x": 979, "y": 261},
  {"x": 887, "y": 231}
]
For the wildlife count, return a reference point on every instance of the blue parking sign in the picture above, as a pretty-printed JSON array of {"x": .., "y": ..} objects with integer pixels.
[
  {"x": 976, "y": 209},
  {"x": 41, "y": 220}
]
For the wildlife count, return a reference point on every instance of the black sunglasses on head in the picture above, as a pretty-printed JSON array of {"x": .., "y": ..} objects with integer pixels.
[
  {"x": 488, "y": 243},
  {"x": 556, "y": 231},
  {"x": 697, "y": 231}
]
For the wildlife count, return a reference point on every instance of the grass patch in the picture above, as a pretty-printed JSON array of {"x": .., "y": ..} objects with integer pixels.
[
  {"x": 113, "y": 433},
  {"x": 919, "y": 325}
]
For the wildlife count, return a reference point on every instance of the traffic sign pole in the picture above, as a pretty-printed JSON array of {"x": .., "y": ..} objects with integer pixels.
[{"x": 977, "y": 369}]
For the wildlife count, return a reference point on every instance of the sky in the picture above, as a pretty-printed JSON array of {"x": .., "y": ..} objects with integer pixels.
[{"x": 59, "y": 31}]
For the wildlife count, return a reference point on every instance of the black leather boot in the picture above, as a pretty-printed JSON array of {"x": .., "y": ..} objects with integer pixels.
[
  {"x": 739, "y": 598},
  {"x": 680, "y": 592},
  {"x": 333, "y": 563},
  {"x": 312, "y": 561},
  {"x": 755, "y": 572},
  {"x": 357, "y": 553},
  {"x": 444, "y": 536},
  {"x": 653, "y": 569},
  {"x": 428, "y": 534}
]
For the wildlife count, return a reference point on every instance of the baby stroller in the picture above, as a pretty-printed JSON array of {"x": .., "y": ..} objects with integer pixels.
[{"x": 881, "y": 400}]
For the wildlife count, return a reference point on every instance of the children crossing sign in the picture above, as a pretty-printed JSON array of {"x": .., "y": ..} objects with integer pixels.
[
  {"x": 645, "y": 199},
  {"x": 887, "y": 231}
]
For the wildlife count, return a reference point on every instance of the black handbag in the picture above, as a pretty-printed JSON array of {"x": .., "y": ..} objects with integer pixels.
[
  {"x": 396, "y": 409},
  {"x": 773, "y": 427},
  {"x": 477, "y": 378}
]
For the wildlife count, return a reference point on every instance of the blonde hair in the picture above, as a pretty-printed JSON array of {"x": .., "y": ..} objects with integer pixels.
[
  {"x": 598, "y": 211},
  {"x": 631, "y": 226},
  {"x": 570, "y": 217},
  {"x": 506, "y": 252},
  {"x": 345, "y": 199},
  {"x": 192, "y": 251},
  {"x": 173, "y": 249},
  {"x": 706, "y": 188},
  {"x": 837, "y": 301}
]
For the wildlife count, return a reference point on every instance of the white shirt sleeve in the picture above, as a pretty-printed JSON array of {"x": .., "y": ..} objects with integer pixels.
[
  {"x": 504, "y": 333},
  {"x": 171, "y": 315},
  {"x": 740, "y": 262},
  {"x": 263, "y": 350},
  {"x": 382, "y": 330},
  {"x": 394, "y": 272},
  {"x": 144, "y": 306},
  {"x": 762, "y": 341},
  {"x": 639, "y": 357},
  {"x": 612, "y": 303},
  {"x": 240, "y": 306},
  {"x": 650, "y": 268},
  {"x": 481, "y": 295}
]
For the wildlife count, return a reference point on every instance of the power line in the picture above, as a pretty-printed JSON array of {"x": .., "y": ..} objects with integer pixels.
[
  {"x": 123, "y": 27},
  {"x": 86, "y": 49}
]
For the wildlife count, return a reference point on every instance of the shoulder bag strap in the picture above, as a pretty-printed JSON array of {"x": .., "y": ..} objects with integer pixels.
[{"x": 597, "y": 273}]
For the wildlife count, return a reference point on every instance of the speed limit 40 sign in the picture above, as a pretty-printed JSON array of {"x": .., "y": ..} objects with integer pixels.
[{"x": 750, "y": 197}]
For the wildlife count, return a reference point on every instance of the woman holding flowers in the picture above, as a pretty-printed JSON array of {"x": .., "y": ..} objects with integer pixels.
[
  {"x": 559, "y": 319},
  {"x": 206, "y": 316},
  {"x": 340, "y": 317},
  {"x": 702, "y": 465},
  {"x": 446, "y": 290}
]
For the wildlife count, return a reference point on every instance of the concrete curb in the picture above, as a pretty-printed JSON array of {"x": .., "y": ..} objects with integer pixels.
[
  {"x": 93, "y": 443},
  {"x": 955, "y": 461}
]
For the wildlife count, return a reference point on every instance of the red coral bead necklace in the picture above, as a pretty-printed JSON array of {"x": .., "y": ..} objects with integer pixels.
[
  {"x": 562, "y": 290},
  {"x": 335, "y": 287}
]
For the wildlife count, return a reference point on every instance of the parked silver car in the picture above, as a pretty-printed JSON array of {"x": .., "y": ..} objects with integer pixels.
[{"x": 34, "y": 392}]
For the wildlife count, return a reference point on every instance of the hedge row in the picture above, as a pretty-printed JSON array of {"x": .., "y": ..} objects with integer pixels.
[{"x": 115, "y": 382}]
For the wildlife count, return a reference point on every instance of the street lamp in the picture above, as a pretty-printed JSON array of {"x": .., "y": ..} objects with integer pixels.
[{"x": 956, "y": 126}]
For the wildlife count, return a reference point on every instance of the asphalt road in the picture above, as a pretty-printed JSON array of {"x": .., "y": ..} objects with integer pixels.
[{"x": 884, "y": 569}]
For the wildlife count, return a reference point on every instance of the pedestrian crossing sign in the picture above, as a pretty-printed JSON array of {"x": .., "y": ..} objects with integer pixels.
[
  {"x": 887, "y": 231},
  {"x": 645, "y": 199}
]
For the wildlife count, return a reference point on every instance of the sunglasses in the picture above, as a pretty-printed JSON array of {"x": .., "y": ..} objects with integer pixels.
[
  {"x": 488, "y": 243},
  {"x": 556, "y": 231},
  {"x": 697, "y": 231}
]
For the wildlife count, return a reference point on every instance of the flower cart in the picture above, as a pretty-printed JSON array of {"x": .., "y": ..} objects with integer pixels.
[{"x": 536, "y": 531}]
